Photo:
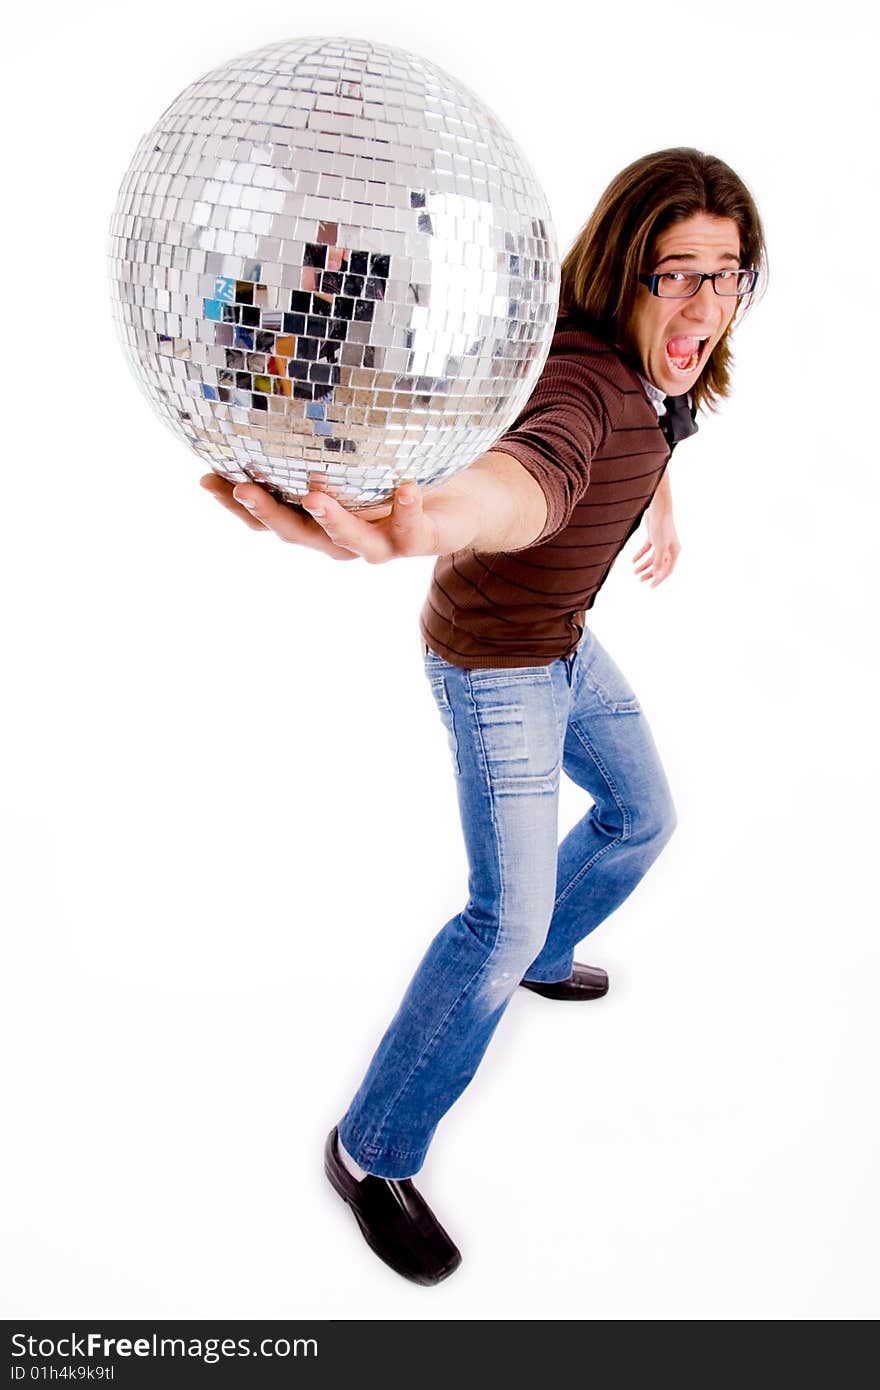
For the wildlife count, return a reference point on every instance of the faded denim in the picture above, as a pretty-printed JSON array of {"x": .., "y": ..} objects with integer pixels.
[{"x": 511, "y": 732}]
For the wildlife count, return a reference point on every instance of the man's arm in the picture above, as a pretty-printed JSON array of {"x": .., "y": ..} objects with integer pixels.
[
  {"x": 662, "y": 548},
  {"x": 662, "y": 499},
  {"x": 500, "y": 505},
  {"x": 492, "y": 506},
  {"x": 524, "y": 489}
]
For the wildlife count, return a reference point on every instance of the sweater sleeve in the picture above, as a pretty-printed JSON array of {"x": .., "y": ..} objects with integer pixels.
[{"x": 563, "y": 423}]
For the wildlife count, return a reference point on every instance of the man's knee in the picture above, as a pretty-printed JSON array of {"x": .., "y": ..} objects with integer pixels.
[
  {"x": 520, "y": 946},
  {"x": 511, "y": 933},
  {"x": 664, "y": 819},
  {"x": 653, "y": 822},
  {"x": 515, "y": 951}
]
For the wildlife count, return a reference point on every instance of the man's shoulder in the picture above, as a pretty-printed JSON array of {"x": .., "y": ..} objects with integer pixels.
[{"x": 602, "y": 364}]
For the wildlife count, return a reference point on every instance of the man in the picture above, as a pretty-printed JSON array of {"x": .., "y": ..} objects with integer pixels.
[{"x": 525, "y": 538}]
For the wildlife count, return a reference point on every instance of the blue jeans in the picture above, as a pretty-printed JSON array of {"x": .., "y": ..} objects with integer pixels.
[{"x": 511, "y": 732}]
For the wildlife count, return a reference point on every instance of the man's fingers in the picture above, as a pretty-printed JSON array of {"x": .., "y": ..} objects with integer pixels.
[
  {"x": 407, "y": 509},
  {"x": 393, "y": 528},
  {"x": 263, "y": 508},
  {"x": 346, "y": 529},
  {"x": 260, "y": 512},
  {"x": 222, "y": 490},
  {"x": 290, "y": 523}
]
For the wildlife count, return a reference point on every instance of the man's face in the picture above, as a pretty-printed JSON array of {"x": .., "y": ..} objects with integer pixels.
[{"x": 700, "y": 242}]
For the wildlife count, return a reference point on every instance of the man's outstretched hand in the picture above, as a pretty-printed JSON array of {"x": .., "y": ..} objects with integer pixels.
[
  {"x": 493, "y": 505},
  {"x": 376, "y": 534}
]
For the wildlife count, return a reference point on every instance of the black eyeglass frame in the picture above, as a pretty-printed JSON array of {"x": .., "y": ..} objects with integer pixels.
[{"x": 652, "y": 282}]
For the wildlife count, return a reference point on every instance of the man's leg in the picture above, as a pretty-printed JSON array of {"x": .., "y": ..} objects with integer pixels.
[
  {"x": 506, "y": 730},
  {"x": 610, "y": 752}
]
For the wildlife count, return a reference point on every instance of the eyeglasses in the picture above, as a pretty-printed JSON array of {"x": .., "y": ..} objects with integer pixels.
[{"x": 681, "y": 284}]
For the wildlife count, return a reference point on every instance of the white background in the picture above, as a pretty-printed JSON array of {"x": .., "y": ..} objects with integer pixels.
[{"x": 228, "y": 825}]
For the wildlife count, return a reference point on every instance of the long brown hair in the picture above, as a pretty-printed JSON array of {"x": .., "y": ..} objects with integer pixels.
[{"x": 600, "y": 272}]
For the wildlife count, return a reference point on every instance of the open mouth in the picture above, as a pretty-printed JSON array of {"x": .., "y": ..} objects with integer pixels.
[{"x": 684, "y": 364}]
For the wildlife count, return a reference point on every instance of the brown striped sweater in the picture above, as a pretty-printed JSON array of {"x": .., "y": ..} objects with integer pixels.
[{"x": 590, "y": 435}]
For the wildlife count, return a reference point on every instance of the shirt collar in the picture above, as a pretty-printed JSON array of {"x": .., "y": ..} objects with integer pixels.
[
  {"x": 655, "y": 394},
  {"x": 678, "y": 421},
  {"x": 659, "y": 397}
]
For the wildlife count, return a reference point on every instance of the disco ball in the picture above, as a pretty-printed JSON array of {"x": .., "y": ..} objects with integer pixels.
[{"x": 332, "y": 268}]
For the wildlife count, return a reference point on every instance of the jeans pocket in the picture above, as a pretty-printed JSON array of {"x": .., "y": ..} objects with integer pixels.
[
  {"x": 517, "y": 730},
  {"x": 508, "y": 677},
  {"x": 503, "y": 729}
]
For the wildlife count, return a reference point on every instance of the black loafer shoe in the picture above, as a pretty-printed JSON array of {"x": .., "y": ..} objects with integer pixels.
[
  {"x": 396, "y": 1221},
  {"x": 585, "y": 982}
]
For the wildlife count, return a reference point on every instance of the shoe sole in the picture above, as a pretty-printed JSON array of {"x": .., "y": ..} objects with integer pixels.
[
  {"x": 422, "y": 1279},
  {"x": 565, "y": 998}
]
